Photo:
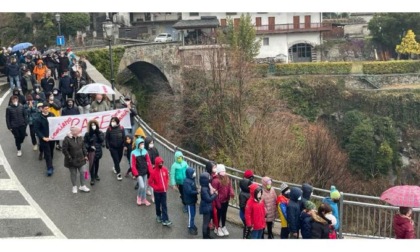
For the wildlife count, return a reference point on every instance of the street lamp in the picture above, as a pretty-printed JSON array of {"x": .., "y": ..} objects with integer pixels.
[
  {"x": 108, "y": 28},
  {"x": 57, "y": 18}
]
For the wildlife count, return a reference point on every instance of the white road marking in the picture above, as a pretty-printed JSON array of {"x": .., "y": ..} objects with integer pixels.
[
  {"x": 31, "y": 211},
  {"x": 18, "y": 212},
  {"x": 8, "y": 185}
]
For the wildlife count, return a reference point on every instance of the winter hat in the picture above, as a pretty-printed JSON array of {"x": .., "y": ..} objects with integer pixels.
[
  {"x": 283, "y": 187},
  {"x": 266, "y": 181},
  {"x": 334, "y": 194},
  {"x": 248, "y": 174},
  {"x": 309, "y": 205},
  {"x": 221, "y": 169}
]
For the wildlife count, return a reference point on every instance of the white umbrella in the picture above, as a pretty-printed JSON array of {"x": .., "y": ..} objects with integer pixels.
[{"x": 96, "y": 88}]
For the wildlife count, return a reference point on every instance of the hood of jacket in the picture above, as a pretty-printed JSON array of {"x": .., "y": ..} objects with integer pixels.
[
  {"x": 140, "y": 132},
  {"x": 295, "y": 194},
  {"x": 137, "y": 151},
  {"x": 147, "y": 141},
  {"x": 244, "y": 185},
  {"x": 306, "y": 191},
  {"x": 16, "y": 92},
  {"x": 158, "y": 160},
  {"x": 177, "y": 155},
  {"x": 67, "y": 103},
  {"x": 204, "y": 179},
  {"x": 252, "y": 188},
  {"x": 190, "y": 171}
]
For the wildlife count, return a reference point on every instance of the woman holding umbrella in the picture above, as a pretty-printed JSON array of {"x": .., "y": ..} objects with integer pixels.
[{"x": 93, "y": 141}]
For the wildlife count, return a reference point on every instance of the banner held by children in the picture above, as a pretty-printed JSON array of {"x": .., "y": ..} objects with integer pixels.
[{"x": 60, "y": 126}]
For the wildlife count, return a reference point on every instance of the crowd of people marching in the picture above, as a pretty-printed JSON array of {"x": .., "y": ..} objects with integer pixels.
[{"x": 46, "y": 86}]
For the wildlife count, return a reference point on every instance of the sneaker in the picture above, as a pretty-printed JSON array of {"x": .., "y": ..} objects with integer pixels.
[
  {"x": 139, "y": 201},
  {"x": 158, "y": 219},
  {"x": 19, "y": 153},
  {"x": 166, "y": 223},
  {"x": 58, "y": 147},
  {"x": 74, "y": 190},
  {"x": 136, "y": 187},
  {"x": 147, "y": 203},
  {"x": 192, "y": 231},
  {"x": 119, "y": 177},
  {"x": 98, "y": 178},
  {"x": 50, "y": 172},
  {"x": 35, "y": 148},
  {"x": 113, "y": 169},
  {"x": 224, "y": 230},
  {"x": 40, "y": 156},
  {"x": 84, "y": 188},
  {"x": 92, "y": 182},
  {"x": 220, "y": 232}
]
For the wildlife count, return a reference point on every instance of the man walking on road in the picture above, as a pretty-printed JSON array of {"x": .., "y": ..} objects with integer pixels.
[
  {"x": 43, "y": 133},
  {"x": 16, "y": 120}
]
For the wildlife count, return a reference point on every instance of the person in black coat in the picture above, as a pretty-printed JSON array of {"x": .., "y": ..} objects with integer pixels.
[
  {"x": 190, "y": 198},
  {"x": 306, "y": 194},
  {"x": 69, "y": 108},
  {"x": 16, "y": 120},
  {"x": 243, "y": 198},
  {"x": 66, "y": 86},
  {"x": 48, "y": 82},
  {"x": 114, "y": 141},
  {"x": 320, "y": 224},
  {"x": 38, "y": 95},
  {"x": 21, "y": 97},
  {"x": 43, "y": 133},
  {"x": 306, "y": 220},
  {"x": 83, "y": 100},
  {"x": 52, "y": 63},
  {"x": 207, "y": 197},
  {"x": 293, "y": 212},
  {"x": 94, "y": 139}
]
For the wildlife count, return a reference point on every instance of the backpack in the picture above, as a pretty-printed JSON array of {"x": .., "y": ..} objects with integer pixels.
[{"x": 332, "y": 233}]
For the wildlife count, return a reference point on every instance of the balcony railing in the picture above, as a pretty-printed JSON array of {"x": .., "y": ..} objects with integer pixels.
[{"x": 292, "y": 28}]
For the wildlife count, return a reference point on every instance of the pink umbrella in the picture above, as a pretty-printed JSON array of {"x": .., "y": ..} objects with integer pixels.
[{"x": 404, "y": 195}]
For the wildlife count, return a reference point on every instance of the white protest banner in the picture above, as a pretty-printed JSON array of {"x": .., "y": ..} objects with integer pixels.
[{"x": 60, "y": 126}]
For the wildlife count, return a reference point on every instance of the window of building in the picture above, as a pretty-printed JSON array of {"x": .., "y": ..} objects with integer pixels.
[
  {"x": 223, "y": 22},
  {"x": 266, "y": 41},
  {"x": 236, "y": 22},
  {"x": 258, "y": 21},
  {"x": 193, "y": 14}
]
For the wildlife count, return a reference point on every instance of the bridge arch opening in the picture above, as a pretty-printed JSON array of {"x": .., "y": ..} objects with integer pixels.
[{"x": 150, "y": 77}]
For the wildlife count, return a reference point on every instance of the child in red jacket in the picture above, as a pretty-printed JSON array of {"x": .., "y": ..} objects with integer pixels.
[
  {"x": 403, "y": 224},
  {"x": 159, "y": 181},
  {"x": 255, "y": 212}
]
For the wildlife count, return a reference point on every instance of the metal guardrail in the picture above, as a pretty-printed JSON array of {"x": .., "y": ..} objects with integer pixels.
[{"x": 364, "y": 216}]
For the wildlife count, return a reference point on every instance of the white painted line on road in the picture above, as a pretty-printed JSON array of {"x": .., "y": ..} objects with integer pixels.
[
  {"x": 18, "y": 212},
  {"x": 4, "y": 96},
  {"x": 7, "y": 185},
  {"x": 40, "y": 213},
  {"x": 30, "y": 237}
]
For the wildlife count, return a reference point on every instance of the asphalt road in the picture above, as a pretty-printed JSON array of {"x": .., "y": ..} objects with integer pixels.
[{"x": 34, "y": 205}]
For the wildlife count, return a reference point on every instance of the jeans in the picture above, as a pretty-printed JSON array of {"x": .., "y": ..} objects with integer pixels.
[
  {"x": 257, "y": 234},
  {"x": 205, "y": 228},
  {"x": 161, "y": 207},
  {"x": 191, "y": 215},
  {"x": 116, "y": 154},
  {"x": 142, "y": 180},
  {"x": 19, "y": 133},
  {"x": 48, "y": 149},
  {"x": 14, "y": 79},
  {"x": 84, "y": 110},
  {"x": 73, "y": 176}
]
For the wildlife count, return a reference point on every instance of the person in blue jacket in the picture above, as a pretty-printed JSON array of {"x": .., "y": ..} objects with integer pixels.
[
  {"x": 333, "y": 201},
  {"x": 293, "y": 212},
  {"x": 207, "y": 197},
  {"x": 190, "y": 198}
]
